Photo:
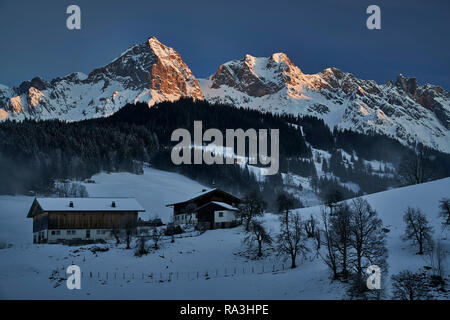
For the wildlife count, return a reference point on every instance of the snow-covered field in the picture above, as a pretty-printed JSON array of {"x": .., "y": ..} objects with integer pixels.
[{"x": 117, "y": 274}]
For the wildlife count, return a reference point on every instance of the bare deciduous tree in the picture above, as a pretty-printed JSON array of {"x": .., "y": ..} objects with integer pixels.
[
  {"x": 444, "y": 205},
  {"x": 291, "y": 238},
  {"x": 417, "y": 229},
  {"x": 438, "y": 256},
  {"x": 251, "y": 207},
  {"x": 156, "y": 237},
  {"x": 332, "y": 198},
  {"x": 328, "y": 241},
  {"x": 129, "y": 230},
  {"x": 115, "y": 232},
  {"x": 417, "y": 167},
  {"x": 341, "y": 227},
  {"x": 310, "y": 227},
  {"x": 189, "y": 209},
  {"x": 257, "y": 233},
  {"x": 285, "y": 204},
  {"x": 367, "y": 238}
]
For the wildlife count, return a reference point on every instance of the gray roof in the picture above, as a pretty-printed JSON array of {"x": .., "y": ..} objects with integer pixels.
[{"x": 89, "y": 204}]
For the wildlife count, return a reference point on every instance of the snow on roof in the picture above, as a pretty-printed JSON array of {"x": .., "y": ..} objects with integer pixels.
[
  {"x": 225, "y": 205},
  {"x": 89, "y": 204},
  {"x": 194, "y": 196}
]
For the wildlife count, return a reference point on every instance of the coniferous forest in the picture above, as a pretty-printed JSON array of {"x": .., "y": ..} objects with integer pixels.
[{"x": 35, "y": 154}]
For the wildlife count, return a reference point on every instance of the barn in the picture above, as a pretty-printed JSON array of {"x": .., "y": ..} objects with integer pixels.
[
  {"x": 209, "y": 209},
  {"x": 71, "y": 220}
]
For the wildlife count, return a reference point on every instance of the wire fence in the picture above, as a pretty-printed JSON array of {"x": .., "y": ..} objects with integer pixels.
[{"x": 170, "y": 276}]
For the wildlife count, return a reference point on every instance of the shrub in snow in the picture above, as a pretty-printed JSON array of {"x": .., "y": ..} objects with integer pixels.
[
  {"x": 410, "y": 286},
  {"x": 141, "y": 247}
]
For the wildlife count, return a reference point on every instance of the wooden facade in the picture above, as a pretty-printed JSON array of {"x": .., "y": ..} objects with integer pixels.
[
  {"x": 201, "y": 209},
  {"x": 52, "y": 225},
  {"x": 206, "y": 217},
  {"x": 204, "y": 198}
]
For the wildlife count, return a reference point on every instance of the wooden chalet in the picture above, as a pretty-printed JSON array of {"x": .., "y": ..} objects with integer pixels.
[
  {"x": 210, "y": 209},
  {"x": 65, "y": 220}
]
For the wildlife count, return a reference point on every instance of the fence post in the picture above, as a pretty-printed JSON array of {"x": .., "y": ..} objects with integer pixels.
[{"x": 90, "y": 274}]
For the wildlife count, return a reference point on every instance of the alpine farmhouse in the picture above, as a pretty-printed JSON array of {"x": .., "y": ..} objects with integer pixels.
[
  {"x": 72, "y": 220},
  {"x": 210, "y": 209}
]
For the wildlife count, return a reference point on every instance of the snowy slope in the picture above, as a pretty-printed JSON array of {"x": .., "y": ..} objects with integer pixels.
[
  {"x": 390, "y": 206},
  {"x": 153, "y": 190},
  {"x": 218, "y": 252},
  {"x": 402, "y": 110}
]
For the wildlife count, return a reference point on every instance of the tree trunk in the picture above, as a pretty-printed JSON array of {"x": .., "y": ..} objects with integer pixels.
[{"x": 259, "y": 248}]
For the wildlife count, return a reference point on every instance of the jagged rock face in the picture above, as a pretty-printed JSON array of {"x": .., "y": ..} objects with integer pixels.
[
  {"x": 149, "y": 72},
  {"x": 402, "y": 110}
]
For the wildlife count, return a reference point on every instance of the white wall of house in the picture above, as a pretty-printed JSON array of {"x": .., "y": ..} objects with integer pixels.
[
  {"x": 184, "y": 218},
  {"x": 224, "y": 216},
  {"x": 71, "y": 234}
]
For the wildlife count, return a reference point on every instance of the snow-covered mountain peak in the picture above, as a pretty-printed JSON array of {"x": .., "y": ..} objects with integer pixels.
[
  {"x": 148, "y": 72},
  {"x": 401, "y": 109},
  {"x": 257, "y": 76},
  {"x": 151, "y": 72}
]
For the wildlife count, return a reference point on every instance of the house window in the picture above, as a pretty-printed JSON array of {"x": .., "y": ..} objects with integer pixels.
[
  {"x": 53, "y": 233},
  {"x": 221, "y": 214},
  {"x": 58, "y": 232},
  {"x": 88, "y": 233}
]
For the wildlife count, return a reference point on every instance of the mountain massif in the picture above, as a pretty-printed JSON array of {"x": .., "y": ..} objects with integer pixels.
[
  {"x": 152, "y": 72},
  {"x": 149, "y": 72}
]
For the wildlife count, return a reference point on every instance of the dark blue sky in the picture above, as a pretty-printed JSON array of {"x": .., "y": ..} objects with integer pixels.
[{"x": 414, "y": 39}]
